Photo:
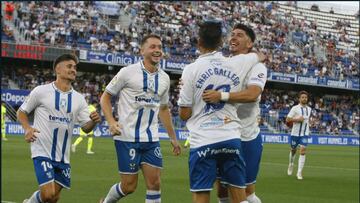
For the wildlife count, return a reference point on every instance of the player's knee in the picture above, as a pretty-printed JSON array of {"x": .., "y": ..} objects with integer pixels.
[
  {"x": 48, "y": 196},
  {"x": 128, "y": 187},
  {"x": 154, "y": 184}
]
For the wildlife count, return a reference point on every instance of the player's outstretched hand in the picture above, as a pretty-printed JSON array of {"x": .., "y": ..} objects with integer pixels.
[
  {"x": 115, "y": 129},
  {"x": 211, "y": 96},
  {"x": 95, "y": 117},
  {"x": 176, "y": 147},
  {"x": 30, "y": 134}
]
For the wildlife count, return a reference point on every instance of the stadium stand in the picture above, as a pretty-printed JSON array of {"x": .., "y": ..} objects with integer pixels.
[{"x": 296, "y": 41}]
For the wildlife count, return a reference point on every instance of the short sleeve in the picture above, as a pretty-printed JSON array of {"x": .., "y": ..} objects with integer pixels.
[
  {"x": 117, "y": 83},
  {"x": 165, "y": 97},
  {"x": 258, "y": 76},
  {"x": 84, "y": 115},
  {"x": 291, "y": 114},
  {"x": 187, "y": 89},
  {"x": 31, "y": 101}
]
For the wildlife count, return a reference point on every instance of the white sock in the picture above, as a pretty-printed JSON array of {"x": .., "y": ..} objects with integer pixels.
[
  {"x": 301, "y": 163},
  {"x": 115, "y": 194},
  {"x": 253, "y": 198},
  {"x": 35, "y": 198},
  {"x": 244, "y": 201},
  {"x": 153, "y": 196},
  {"x": 224, "y": 200},
  {"x": 291, "y": 158}
]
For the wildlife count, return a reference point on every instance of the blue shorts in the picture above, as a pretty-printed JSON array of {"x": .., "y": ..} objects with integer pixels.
[
  {"x": 48, "y": 171},
  {"x": 130, "y": 155},
  {"x": 223, "y": 159},
  {"x": 252, "y": 154},
  {"x": 298, "y": 140}
]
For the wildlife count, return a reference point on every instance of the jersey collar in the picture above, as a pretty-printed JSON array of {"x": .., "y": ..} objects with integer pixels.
[{"x": 57, "y": 89}]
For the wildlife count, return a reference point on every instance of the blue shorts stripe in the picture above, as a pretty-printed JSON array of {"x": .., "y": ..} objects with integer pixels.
[
  {"x": 64, "y": 146},
  {"x": 69, "y": 103},
  {"x": 153, "y": 196},
  {"x": 57, "y": 100},
  {"x": 148, "y": 131},
  {"x": 118, "y": 190},
  {"x": 53, "y": 148},
  {"x": 38, "y": 198},
  {"x": 137, "y": 127}
]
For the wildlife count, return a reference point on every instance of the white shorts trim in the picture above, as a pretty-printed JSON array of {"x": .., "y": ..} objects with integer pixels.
[
  {"x": 151, "y": 165},
  {"x": 52, "y": 180},
  {"x": 128, "y": 173},
  {"x": 201, "y": 190},
  {"x": 250, "y": 183},
  {"x": 61, "y": 184},
  {"x": 228, "y": 184}
]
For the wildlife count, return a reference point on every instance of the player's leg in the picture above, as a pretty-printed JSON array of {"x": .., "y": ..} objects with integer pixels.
[
  {"x": 78, "y": 140},
  {"x": 187, "y": 142},
  {"x": 252, "y": 151},
  {"x": 90, "y": 143},
  {"x": 203, "y": 172},
  {"x": 44, "y": 170},
  {"x": 128, "y": 164},
  {"x": 151, "y": 165},
  {"x": 302, "y": 157},
  {"x": 232, "y": 171},
  {"x": 201, "y": 197},
  {"x": 3, "y": 130},
  {"x": 222, "y": 192},
  {"x": 294, "y": 141},
  {"x": 237, "y": 194}
]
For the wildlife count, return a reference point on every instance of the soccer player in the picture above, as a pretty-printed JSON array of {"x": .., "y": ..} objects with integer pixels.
[
  {"x": 241, "y": 42},
  {"x": 299, "y": 115},
  {"x": 215, "y": 145},
  {"x": 143, "y": 90},
  {"x": 90, "y": 135},
  {"x": 57, "y": 106},
  {"x": 3, "y": 115}
]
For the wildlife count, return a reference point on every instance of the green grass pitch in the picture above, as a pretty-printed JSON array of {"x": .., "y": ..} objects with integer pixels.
[{"x": 331, "y": 175}]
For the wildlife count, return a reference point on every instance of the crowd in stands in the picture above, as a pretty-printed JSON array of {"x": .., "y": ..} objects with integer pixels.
[
  {"x": 77, "y": 24},
  {"x": 331, "y": 114}
]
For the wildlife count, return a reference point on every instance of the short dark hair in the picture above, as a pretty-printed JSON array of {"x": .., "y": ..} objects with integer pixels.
[
  {"x": 303, "y": 92},
  {"x": 65, "y": 57},
  {"x": 210, "y": 34},
  {"x": 248, "y": 30},
  {"x": 143, "y": 41}
]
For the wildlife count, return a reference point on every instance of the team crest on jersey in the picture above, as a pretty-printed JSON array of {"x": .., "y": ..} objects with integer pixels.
[
  {"x": 157, "y": 152},
  {"x": 63, "y": 103},
  {"x": 151, "y": 84}
]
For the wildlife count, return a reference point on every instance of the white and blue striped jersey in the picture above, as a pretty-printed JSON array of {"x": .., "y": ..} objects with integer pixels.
[
  {"x": 140, "y": 95},
  {"x": 300, "y": 129},
  {"x": 249, "y": 112},
  {"x": 55, "y": 113},
  {"x": 213, "y": 123}
]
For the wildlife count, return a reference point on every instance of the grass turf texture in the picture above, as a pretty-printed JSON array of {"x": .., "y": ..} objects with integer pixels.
[{"x": 331, "y": 175}]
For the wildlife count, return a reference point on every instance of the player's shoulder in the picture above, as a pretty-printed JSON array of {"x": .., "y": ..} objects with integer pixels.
[
  {"x": 260, "y": 66},
  {"x": 131, "y": 68},
  {"x": 43, "y": 89},
  {"x": 163, "y": 74}
]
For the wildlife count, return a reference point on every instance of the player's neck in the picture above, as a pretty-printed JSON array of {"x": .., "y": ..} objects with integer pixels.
[
  {"x": 239, "y": 52},
  {"x": 303, "y": 105},
  {"x": 149, "y": 66},
  {"x": 63, "y": 85}
]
